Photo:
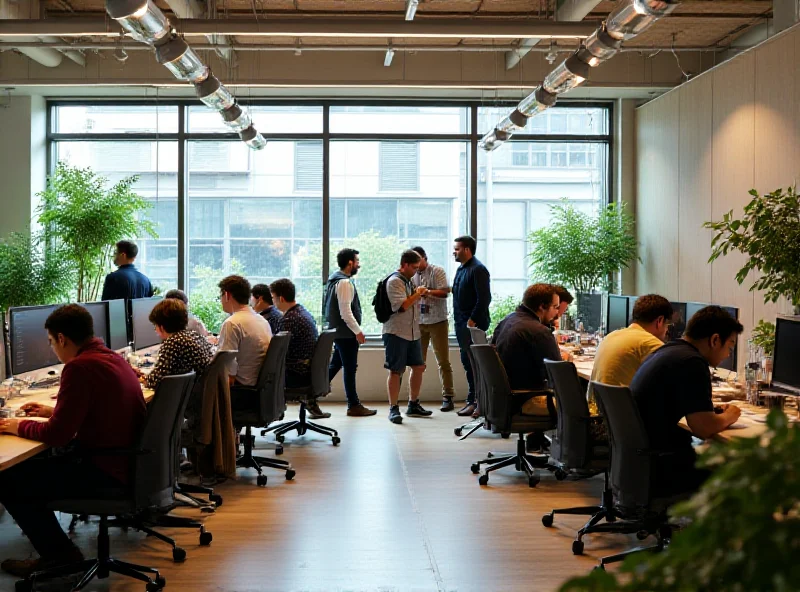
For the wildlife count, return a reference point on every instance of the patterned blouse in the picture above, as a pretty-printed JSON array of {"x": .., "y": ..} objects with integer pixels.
[
  {"x": 300, "y": 324},
  {"x": 182, "y": 352}
]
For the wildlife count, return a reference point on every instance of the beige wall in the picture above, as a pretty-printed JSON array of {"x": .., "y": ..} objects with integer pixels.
[{"x": 699, "y": 149}]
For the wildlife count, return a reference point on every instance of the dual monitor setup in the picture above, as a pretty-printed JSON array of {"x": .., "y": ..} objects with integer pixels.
[{"x": 118, "y": 325}]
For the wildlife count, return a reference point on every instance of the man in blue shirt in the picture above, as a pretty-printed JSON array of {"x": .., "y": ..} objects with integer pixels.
[
  {"x": 127, "y": 282},
  {"x": 471, "y": 298},
  {"x": 261, "y": 301}
]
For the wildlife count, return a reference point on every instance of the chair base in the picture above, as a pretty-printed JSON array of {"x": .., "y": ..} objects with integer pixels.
[
  {"x": 249, "y": 461},
  {"x": 473, "y": 426},
  {"x": 657, "y": 526},
  {"x": 301, "y": 426},
  {"x": 187, "y": 489},
  {"x": 605, "y": 511},
  {"x": 521, "y": 461}
]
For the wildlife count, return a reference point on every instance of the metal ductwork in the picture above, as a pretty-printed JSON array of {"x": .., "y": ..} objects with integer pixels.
[
  {"x": 191, "y": 9},
  {"x": 626, "y": 21},
  {"x": 43, "y": 55},
  {"x": 145, "y": 22}
]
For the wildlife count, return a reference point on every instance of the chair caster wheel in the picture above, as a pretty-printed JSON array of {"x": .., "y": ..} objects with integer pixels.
[
  {"x": 475, "y": 469},
  {"x": 178, "y": 554},
  {"x": 547, "y": 520},
  {"x": 206, "y": 538},
  {"x": 280, "y": 438},
  {"x": 216, "y": 499},
  {"x": 263, "y": 433},
  {"x": 533, "y": 481},
  {"x": 458, "y": 431},
  {"x": 336, "y": 440},
  {"x": 279, "y": 450},
  {"x": 23, "y": 586},
  {"x": 642, "y": 535},
  {"x": 483, "y": 479},
  {"x": 290, "y": 474},
  {"x": 261, "y": 480},
  {"x": 489, "y": 455},
  {"x": 577, "y": 547},
  {"x": 208, "y": 509},
  {"x": 561, "y": 474},
  {"x": 157, "y": 585},
  {"x": 505, "y": 435}
]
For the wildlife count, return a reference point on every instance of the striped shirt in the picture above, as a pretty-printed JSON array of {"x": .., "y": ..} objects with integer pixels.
[{"x": 432, "y": 309}]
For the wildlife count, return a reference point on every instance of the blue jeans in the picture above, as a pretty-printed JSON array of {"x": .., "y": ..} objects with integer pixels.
[
  {"x": 345, "y": 356},
  {"x": 464, "y": 341}
]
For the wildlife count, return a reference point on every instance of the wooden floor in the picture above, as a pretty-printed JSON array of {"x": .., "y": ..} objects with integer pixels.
[{"x": 393, "y": 508}]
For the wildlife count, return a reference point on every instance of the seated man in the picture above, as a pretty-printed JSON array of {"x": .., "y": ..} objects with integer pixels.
[
  {"x": 299, "y": 323},
  {"x": 261, "y": 301},
  {"x": 99, "y": 405},
  {"x": 675, "y": 382}
]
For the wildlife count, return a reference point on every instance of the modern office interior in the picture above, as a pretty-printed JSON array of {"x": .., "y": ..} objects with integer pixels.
[{"x": 260, "y": 139}]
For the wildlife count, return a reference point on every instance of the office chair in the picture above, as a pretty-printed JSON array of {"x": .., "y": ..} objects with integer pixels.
[
  {"x": 320, "y": 387},
  {"x": 573, "y": 447},
  {"x": 151, "y": 485},
  {"x": 267, "y": 405},
  {"x": 478, "y": 337},
  {"x": 502, "y": 412},
  {"x": 631, "y": 465}
]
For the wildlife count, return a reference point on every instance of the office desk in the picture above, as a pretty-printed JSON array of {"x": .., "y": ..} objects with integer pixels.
[
  {"x": 13, "y": 449},
  {"x": 750, "y": 424}
]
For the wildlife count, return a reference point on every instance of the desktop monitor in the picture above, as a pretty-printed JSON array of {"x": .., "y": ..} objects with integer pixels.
[
  {"x": 617, "y": 314},
  {"x": 693, "y": 307},
  {"x": 99, "y": 312},
  {"x": 631, "y": 302},
  {"x": 785, "y": 369},
  {"x": 30, "y": 349},
  {"x": 117, "y": 325},
  {"x": 730, "y": 362},
  {"x": 678, "y": 321},
  {"x": 144, "y": 335}
]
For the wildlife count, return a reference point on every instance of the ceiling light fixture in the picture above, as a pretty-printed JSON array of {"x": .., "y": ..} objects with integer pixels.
[
  {"x": 387, "y": 60},
  {"x": 411, "y": 9}
]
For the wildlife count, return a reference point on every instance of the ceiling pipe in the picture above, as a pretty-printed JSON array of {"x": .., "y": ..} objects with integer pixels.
[
  {"x": 72, "y": 53},
  {"x": 190, "y": 9},
  {"x": 43, "y": 55}
]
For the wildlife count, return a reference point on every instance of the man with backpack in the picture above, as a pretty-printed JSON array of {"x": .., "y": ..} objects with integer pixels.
[{"x": 401, "y": 334}]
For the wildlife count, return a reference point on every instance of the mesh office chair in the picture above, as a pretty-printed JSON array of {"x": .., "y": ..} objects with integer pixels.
[
  {"x": 267, "y": 403},
  {"x": 478, "y": 337},
  {"x": 320, "y": 387},
  {"x": 152, "y": 479},
  {"x": 502, "y": 411}
]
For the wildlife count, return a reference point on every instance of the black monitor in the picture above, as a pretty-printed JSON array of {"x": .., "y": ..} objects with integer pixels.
[
  {"x": 30, "y": 349},
  {"x": 678, "y": 321},
  {"x": 693, "y": 307},
  {"x": 785, "y": 369},
  {"x": 117, "y": 325},
  {"x": 731, "y": 362},
  {"x": 617, "y": 315},
  {"x": 144, "y": 335},
  {"x": 99, "y": 312}
]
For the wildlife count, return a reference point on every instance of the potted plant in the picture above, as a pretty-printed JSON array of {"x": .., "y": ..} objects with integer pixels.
[
  {"x": 85, "y": 218},
  {"x": 763, "y": 337},
  {"x": 768, "y": 233},
  {"x": 584, "y": 252}
]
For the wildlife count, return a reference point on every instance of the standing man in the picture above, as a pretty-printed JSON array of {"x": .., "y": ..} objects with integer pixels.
[
  {"x": 401, "y": 338},
  {"x": 127, "y": 282},
  {"x": 471, "y": 298},
  {"x": 433, "y": 324},
  {"x": 261, "y": 301},
  {"x": 342, "y": 311}
]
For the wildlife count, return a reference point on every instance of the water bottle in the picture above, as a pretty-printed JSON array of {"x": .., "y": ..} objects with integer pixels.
[{"x": 751, "y": 373}]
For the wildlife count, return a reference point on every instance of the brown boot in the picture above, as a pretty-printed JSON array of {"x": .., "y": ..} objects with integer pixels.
[
  {"x": 467, "y": 410},
  {"x": 314, "y": 412},
  {"x": 360, "y": 411},
  {"x": 447, "y": 403}
]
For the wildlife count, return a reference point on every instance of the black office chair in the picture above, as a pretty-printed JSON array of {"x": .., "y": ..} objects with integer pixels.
[
  {"x": 573, "y": 447},
  {"x": 320, "y": 387},
  {"x": 502, "y": 412},
  {"x": 151, "y": 485},
  {"x": 631, "y": 466},
  {"x": 478, "y": 337},
  {"x": 267, "y": 405}
]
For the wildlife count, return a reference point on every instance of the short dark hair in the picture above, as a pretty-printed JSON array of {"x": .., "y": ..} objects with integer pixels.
[
  {"x": 409, "y": 256},
  {"x": 236, "y": 286},
  {"x": 284, "y": 288},
  {"x": 420, "y": 251},
  {"x": 712, "y": 320},
  {"x": 170, "y": 314},
  {"x": 345, "y": 256},
  {"x": 649, "y": 307},
  {"x": 128, "y": 248},
  {"x": 262, "y": 291},
  {"x": 73, "y": 321},
  {"x": 563, "y": 294},
  {"x": 468, "y": 242},
  {"x": 538, "y": 295},
  {"x": 178, "y": 295}
]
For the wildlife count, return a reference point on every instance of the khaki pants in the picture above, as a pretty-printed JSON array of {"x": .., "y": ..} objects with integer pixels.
[{"x": 438, "y": 334}]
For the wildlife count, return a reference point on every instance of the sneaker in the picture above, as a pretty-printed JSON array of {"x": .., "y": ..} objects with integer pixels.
[
  {"x": 360, "y": 411},
  {"x": 314, "y": 412},
  {"x": 415, "y": 409},
  {"x": 394, "y": 414},
  {"x": 447, "y": 403}
]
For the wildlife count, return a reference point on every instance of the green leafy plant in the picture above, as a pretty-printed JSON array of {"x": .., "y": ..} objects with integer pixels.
[
  {"x": 204, "y": 298},
  {"x": 29, "y": 275},
  {"x": 500, "y": 308},
  {"x": 769, "y": 234},
  {"x": 744, "y": 533},
  {"x": 580, "y": 251},
  {"x": 86, "y": 218},
  {"x": 763, "y": 336}
]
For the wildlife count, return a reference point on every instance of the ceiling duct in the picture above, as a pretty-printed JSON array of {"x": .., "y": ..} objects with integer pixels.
[
  {"x": 145, "y": 22},
  {"x": 626, "y": 21}
]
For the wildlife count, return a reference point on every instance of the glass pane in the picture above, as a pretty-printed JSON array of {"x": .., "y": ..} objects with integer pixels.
[
  {"x": 155, "y": 163},
  {"x": 115, "y": 119},
  {"x": 583, "y": 121},
  {"x": 268, "y": 119},
  {"x": 380, "y": 226},
  {"x": 399, "y": 120}
]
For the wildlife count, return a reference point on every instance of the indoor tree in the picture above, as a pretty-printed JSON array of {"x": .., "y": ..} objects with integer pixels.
[{"x": 85, "y": 217}]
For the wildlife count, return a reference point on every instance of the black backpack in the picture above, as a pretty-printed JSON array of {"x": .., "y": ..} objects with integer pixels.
[{"x": 381, "y": 303}]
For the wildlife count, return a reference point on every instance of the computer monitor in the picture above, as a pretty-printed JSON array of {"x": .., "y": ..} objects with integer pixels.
[
  {"x": 617, "y": 314},
  {"x": 631, "y": 302},
  {"x": 117, "y": 325},
  {"x": 693, "y": 307},
  {"x": 30, "y": 349},
  {"x": 730, "y": 362},
  {"x": 99, "y": 312},
  {"x": 785, "y": 369},
  {"x": 678, "y": 321},
  {"x": 144, "y": 335}
]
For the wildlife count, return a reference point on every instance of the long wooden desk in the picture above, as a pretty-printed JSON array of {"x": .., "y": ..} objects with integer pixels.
[{"x": 13, "y": 449}]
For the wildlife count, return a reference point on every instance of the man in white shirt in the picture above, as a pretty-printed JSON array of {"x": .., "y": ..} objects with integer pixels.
[{"x": 342, "y": 310}]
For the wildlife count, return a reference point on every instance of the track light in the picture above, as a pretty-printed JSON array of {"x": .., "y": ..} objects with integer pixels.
[
  {"x": 571, "y": 73},
  {"x": 236, "y": 118},
  {"x": 599, "y": 47},
  {"x": 387, "y": 60},
  {"x": 180, "y": 59},
  {"x": 252, "y": 138},
  {"x": 411, "y": 9},
  {"x": 536, "y": 102},
  {"x": 493, "y": 140},
  {"x": 213, "y": 94},
  {"x": 633, "y": 16},
  {"x": 141, "y": 18}
]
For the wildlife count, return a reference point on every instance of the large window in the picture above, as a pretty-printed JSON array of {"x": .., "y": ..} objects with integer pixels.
[{"x": 398, "y": 176}]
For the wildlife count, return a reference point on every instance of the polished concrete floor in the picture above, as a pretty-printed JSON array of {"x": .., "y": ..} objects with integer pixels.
[{"x": 393, "y": 508}]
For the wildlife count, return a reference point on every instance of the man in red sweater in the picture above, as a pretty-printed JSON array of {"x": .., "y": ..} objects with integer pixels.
[{"x": 99, "y": 405}]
